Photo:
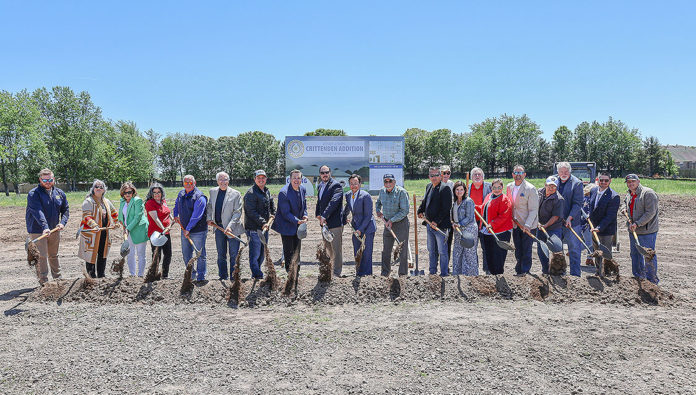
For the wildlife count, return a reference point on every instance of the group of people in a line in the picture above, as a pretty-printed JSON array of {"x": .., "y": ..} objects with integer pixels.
[{"x": 458, "y": 217}]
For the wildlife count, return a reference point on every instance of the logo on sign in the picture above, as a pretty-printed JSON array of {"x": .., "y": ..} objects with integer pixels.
[{"x": 295, "y": 148}]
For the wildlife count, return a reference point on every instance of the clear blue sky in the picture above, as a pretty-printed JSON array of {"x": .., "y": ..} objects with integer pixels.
[{"x": 380, "y": 67}]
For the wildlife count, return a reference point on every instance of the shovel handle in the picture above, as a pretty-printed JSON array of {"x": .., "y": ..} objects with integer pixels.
[
  {"x": 435, "y": 227},
  {"x": 232, "y": 235},
  {"x": 43, "y": 236},
  {"x": 483, "y": 220},
  {"x": 592, "y": 228},
  {"x": 392, "y": 232},
  {"x": 545, "y": 232},
  {"x": 631, "y": 222},
  {"x": 97, "y": 229},
  {"x": 579, "y": 238},
  {"x": 523, "y": 230}
]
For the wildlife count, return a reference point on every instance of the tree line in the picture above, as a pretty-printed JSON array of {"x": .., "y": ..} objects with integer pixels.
[{"x": 65, "y": 131}]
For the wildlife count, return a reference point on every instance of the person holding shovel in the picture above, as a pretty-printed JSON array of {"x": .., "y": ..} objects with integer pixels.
[
  {"x": 225, "y": 210},
  {"x": 190, "y": 214},
  {"x": 435, "y": 210},
  {"x": 258, "y": 209},
  {"x": 292, "y": 212},
  {"x": 131, "y": 213},
  {"x": 99, "y": 216},
  {"x": 550, "y": 217},
  {"x": 47, "y": 209},
  {"x": 478, "y": 190},
  {"x": 464, "y": 260},
  {"x": 359, "y": 203},
  {"x": 603, "y": 207},
  {"x": 525, "y": 209},
  {"x": 497, "y": 212},
  {"x": 328, "y": 211},
  {"x": 642, "y": 208},
  {"x": 392, "y": 207},
  {"x": 159, "y": 219},
  {"x": 570, "y": 187}
]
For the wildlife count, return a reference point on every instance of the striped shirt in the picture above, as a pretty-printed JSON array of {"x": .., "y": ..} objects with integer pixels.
[{"x": 393, "y": 205}]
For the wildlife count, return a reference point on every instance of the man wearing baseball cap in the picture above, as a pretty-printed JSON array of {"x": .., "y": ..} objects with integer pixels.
[
  {"x": 258, "y": 209},
  {"x": 550, "y": 217},
  {"x": 641, "y": 204},
  {"x": 392, "y": 207}
]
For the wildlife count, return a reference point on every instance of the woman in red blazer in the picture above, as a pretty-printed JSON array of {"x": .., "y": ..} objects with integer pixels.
[{"x": 497, "y": 211}]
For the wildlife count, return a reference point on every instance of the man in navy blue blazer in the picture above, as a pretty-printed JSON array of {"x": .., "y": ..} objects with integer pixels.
[
  {"x": 359, "y": 203},
  {"x": 604, "y": 205},
  {"x": 570, "y": 187},
  {"x": 291, "y": 213},
  {"x": 329, "y": 212}
]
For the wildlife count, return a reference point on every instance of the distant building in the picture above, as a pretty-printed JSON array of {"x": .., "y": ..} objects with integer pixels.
[{"x": 684, "y": 157}]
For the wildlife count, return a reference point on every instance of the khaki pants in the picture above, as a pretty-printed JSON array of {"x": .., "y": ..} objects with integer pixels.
[
  {"x": 337, "y": 245},
  {"x": 48, "y": 248}
]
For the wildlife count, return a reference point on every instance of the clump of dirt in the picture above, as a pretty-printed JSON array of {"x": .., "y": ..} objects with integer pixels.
[
  {"x": 234, "y": 290},
  {"x": 557, "y": 266},
  {"x": 611, "y": 267},
  {"x": 271, "y": 279},
  {"x": 324, "y": 253},
  {"x": 89, "y": 281},
  {"x": 153, "y": 272},
  {"x": 117, "y": 266},
  {"x": 367, "y": 289},
  {"x": 187, "y": 283},
  {"x": 397, "y": 252},
  {"x": 291, "y": 282},
  {"x": 33, "y": 255}
]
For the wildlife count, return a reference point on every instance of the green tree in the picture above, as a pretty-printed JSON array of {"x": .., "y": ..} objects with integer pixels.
[
  {"x": 561, "y": 146},
  {"x": 326, "y": 132},
  {"x": 71, "y": 120},
  {"x": 172, "y": 155},
  {"x": 653, "y": 155},
  {"x": 439, "y": 147},
  {"x": 257, "y": 150},
  {"x": 414, "y": 150},
  {"x": 154, "y": 139}
]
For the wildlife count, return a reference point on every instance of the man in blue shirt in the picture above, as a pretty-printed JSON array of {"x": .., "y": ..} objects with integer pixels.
[
  {"x": 571, "y": 189},
  {"x": 190, "y": 212},
  {"x": 47, "y": 209}
]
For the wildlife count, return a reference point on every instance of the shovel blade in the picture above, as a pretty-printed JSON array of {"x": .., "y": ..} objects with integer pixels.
[
  {"x": 642, "y": 251},
  {"x": 544, "y": 248},
  {"x": 555, "y": 244},
  {"x": 262, "y": 237},
  {"x": 505, "y": 245}
]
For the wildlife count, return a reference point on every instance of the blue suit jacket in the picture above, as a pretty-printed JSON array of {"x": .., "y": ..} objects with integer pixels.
[
  {"x": 330, "y": 206},
  {"x": 603, "y": 214},
  {"x": 573, "y": 196},
  {"x": 363, "y": 219},
  {"x": 290, "y": 210}
]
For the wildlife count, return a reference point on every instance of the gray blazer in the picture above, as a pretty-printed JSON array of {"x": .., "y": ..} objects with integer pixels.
[
  {"x": 645, "y": 210},
  {"x": 231, "y": 209}
]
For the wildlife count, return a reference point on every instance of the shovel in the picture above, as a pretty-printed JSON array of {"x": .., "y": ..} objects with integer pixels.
[
  {"x": 541, "y": 244},
  {"x": 606, "y": 252},
  {"x": 435, "y": 227},
  {"x": 593, "y": 254},
  {"x": 230, "y": 234},
  {"x": 43, "y": 236},
  {"x": 640, "y": 248},
  {"x": 553, "y": 242},
  {"x": 198, "y": 252},
  {"x": 416, "y": 272},
  {"x": 502, "y": 244},
  {"x": 264, "y": 232},
  {"x": 326, "y": 234},
  {"x": 399, "y": 244},
  {"x": 467, "y": 241}
]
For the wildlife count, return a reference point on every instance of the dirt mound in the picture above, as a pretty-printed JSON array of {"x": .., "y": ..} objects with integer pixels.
[{"x": 368, "y": 289}]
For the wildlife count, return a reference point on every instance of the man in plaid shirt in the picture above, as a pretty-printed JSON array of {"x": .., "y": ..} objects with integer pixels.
[{"x": 392, "y": 207}]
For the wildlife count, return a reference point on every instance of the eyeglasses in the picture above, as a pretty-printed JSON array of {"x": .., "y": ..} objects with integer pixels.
[
  {"x": 47, "y": 180},
  {"x": 388, "y": 181},
  {"x": 128, "y": 192},
  {"x": 433, "y": 175},
  {"x": 497, "y": 187},
  {"x": 98, "y": 187},
  {"x": 518, "y": 173},
  {"x": 324, "y": 172},
  {"x": 224, "y": 180},
  {"x": 188, "y": 183},
  {"x": 446, "y": 173},
  {"x": 156, "y": 192},
  {"x": 603, "y": 180}
]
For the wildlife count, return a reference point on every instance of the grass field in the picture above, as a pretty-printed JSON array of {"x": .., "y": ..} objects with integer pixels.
[{"x": 672, "y": 187}]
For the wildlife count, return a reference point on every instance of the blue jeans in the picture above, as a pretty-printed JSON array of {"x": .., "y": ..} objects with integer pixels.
[
  {"x": 574, "y": 248},
  {"x": 223, "y": 245},
  {"x": 542, "y": 238},
  {"x": 641, "y": 268},
  {"x": 187, "y": 250},
  {"x": 523, "y": 251},
  {"x": 256, "y": 253},
  {"x": 437, "y": 247}
]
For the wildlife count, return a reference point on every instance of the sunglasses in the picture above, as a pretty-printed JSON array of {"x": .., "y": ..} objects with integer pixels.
[
  {"x": 99, "y": 187},
  {"x": 324, "y": 172},
  {"x": 188, "y": 183},
  {"x": 156, "y": 192},
  {"x": 604, "y": 180},
  {"x": 433, "y": 175},
  {"x": 388, "y": 181},
  {"x": 47, "y": 180},
  {"x": 128, "y": 192},
  {"x": 446, "y": 172},
  {"x": 518, "y": 173}
]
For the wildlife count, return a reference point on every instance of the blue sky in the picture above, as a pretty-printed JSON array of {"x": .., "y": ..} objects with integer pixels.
[{"x": 379, "y": 67}]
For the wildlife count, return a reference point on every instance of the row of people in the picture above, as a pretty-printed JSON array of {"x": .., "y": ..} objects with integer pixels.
[{"x": 448, "y": 210}]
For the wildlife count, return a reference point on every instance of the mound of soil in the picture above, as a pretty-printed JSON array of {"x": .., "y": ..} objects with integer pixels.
[{"x": 368, "y": 289}]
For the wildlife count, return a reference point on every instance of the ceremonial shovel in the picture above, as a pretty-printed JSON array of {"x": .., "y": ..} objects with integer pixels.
[{"x": 502, "y": 244}]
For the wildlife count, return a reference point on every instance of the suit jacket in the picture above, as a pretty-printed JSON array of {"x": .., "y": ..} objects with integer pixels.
[
  {"x": 231, "y": 210},
  {"x": 291, "y": 208},
  {"x": 438, "y": 211},
  {"x": 363, "y": 219},
  {"x": 136, "y": 219},
  {"x": 573, "y": 198},
  {"x": 526, "y": 206},
  {"x": 603, "y": 212},
  {"x": 330, "y": 205}
]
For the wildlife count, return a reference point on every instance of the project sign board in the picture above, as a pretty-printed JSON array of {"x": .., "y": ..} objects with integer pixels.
[{"x": 369, "y": 156}]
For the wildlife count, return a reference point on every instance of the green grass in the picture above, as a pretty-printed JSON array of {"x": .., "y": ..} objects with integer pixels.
[{"x": 663, "y": 186}]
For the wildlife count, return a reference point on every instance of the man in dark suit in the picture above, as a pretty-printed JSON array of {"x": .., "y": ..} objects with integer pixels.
[
  {"x": 436, "y": 207},
  {"x": 329, "y": 212},
  {"x": 359, "y": 205},
  {"x": 604, "y": 204},
  {"x": 291, "y": 213}
]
